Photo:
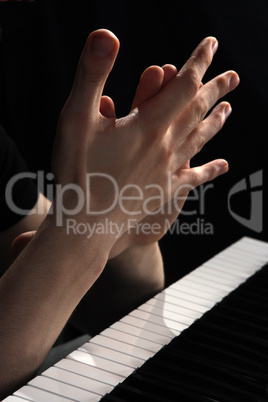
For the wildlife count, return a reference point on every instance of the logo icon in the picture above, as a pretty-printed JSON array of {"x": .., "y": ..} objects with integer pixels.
[{"x": 255, "y": 221}]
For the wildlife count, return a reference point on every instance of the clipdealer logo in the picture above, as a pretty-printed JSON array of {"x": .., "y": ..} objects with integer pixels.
[
  {"x": 254, "y": 186},
  {"x": 250, "y": 188}
]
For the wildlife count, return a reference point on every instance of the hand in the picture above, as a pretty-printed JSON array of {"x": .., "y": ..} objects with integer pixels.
[
  {"x": 153, "y": 227},
  {"x": 147, "y": 147},
  {"x": 152, "y": 80}
]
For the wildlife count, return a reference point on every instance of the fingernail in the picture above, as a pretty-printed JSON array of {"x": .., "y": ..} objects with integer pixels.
[
  {"x": 227, "y": 111},
  {"x": 234, "y": 81},
  {"x": 223, "y": 167},
  {"x": 102, "y": 45},
  {"x": 214, "y": 46}
]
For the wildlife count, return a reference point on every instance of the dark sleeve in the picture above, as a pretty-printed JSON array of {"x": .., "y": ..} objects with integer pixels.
[{"x": 23, "y": 193}]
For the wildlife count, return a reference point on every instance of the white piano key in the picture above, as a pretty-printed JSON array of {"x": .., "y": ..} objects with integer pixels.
[
  {"x": 129, "y": 344},
  {"x": 207, "y": 281},
  {"x": 35, "y": 394},
  {"x": 122, "y": 334},
  {"x": 63, "y": 389},
  {"x": 89, "y": 371},
  {"x": 240, "y": 259},
  {"x": 14, "y": 398},
  {"x": 232, "y": 255},
  {"x": 110, "y": 354},
  {"x": 156, "y": 328},
  {"x": 167, "y": 314},
  {"x": 100, "y": 362},
  {"x": 242, "y": 272},
  {"x": 237, "y": 263},
  {"x": 160, "y": 320},
  {"x": 186, "y": 284},
  {"x": 252, "y": 246},
  {"x": 252, "y": 262},
  {"x": 243, "y": 259},
  {"x": 182, "y": 303},
  {"x": 194, "y": 300},
  {"x": 182, "y": 290},
  {"x": 258, "y": 256},
  {"x": 229, "y": 277},
  {"x": 76, "y": 380},
  {"x": 141, "y": 333},
  {"x": 172, "y": 307},
  {"x": 231, "y": 283}
]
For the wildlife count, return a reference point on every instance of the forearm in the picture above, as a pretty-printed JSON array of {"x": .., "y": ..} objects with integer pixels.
[
  {"x": 37, "y": 295},
  {"x": 28, "y": 223},
  {"x": 127, "y": 281}
]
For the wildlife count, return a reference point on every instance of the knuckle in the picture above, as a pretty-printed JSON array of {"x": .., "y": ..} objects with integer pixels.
[
  {"x": 220, "y": 119},
  {"x": 198, "y": 141},
  {"x": 193, "y": 79},
  {"x": 222, "y": 84},
  {"x": 165, "y": 154},
  {"x": 195, "y": 144},
  {"x": 195, "y": 179},
  {"x": 89, "y": 76},
  {"x": 201, "y": 106},
  {"x": 204, "y": 54}
]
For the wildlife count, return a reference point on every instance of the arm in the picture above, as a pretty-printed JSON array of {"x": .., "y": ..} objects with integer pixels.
[
  {"x": 38, "y": 294},
  {"x": 127, "y": 281},
  {"x": 29, "y": 222},
  {"x": 135, "y": 271},
  {"x": 55, "y": 270}
]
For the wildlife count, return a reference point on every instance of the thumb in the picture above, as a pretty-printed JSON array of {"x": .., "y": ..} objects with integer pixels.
[
  {"x": 95, "y": 64},
  {"x": 20, "y": 242}
]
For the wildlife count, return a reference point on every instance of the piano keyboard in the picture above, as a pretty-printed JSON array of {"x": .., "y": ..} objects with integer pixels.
[{"x": 95, "y": 369}]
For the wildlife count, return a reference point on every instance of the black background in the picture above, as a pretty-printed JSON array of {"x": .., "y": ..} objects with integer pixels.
[{"x": 40, "y": 47}]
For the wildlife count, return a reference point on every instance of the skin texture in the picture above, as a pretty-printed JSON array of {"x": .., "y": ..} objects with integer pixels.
[
  {"x": 151, "y": 145},
  {"x": 135, "y": 269}
]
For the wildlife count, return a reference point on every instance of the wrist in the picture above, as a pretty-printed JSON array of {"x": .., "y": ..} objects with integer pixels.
[
  {"x": 71, "y": 255},
  {"x": 141, "y": 263}
]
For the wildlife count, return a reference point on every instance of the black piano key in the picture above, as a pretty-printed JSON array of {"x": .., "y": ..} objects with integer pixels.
[
  {"x": 111, "y": 398},
  {"x": 211, "y": 351},
  {"x": 222, "y": 357},
  {"x": 214, "y": 370},
  {"x": 159, "y": 389},
  {"x": 134, "y": 394},
  {"x": 237, "y": 328},
  {"x": 227, "y": 344},
  {"x": 199, "y": 378}
]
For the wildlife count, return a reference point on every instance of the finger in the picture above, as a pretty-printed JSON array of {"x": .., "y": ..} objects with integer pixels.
[
  {"x": 194, "y": 177},
  {"x": 152, "y": 80},
  {"x": 170, "y": 72},
  {"x": 203, "y": 133},
  {"x": 160, "y": 111},
  {"x": 149, "y": 85},
  {"x": 94, "y": 67},
  {"x": 107, "y": 107},
  {"x": 20, "y": 242},
  {"x": 204, "y": 100}
]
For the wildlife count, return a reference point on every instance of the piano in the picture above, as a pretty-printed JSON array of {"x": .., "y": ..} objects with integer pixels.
[{"x": 204, "y": 338}]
